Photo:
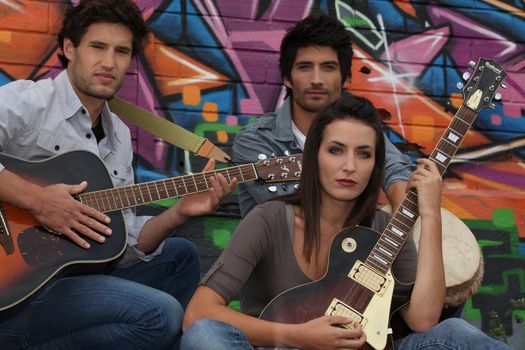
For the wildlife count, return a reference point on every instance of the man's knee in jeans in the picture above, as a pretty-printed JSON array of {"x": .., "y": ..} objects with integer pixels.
[
  {"x": 163, "y": 322},
  {"x": 469, "y": 335},
  {"x": 456, "y": 326},
  {"x": 181, "y": 249},
  {"x": 210, "y": 334}
]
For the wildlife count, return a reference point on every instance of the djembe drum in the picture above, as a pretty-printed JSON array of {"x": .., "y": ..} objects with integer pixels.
[{"x": 461, "y": 257}]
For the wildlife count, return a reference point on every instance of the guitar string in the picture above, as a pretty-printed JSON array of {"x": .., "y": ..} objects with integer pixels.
[
  {"x": 108, "y": 200},
  {"x": 169, "y": 188}
]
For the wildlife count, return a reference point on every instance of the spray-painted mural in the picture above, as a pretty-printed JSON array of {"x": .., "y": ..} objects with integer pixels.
[{"x": 211, "y": 66}]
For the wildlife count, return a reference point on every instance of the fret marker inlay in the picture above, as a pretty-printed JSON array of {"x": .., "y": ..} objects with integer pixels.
[
  {"x": 408, "y": 213},
  {"x": 441, "y": 157},
  {"x": 452, "y": 137},
  {"x": 397, "y": 231},
  {"x": 378, "y": 258},
  {"x": 383, "y": 250},
  {"x": 391, "y": 242}
]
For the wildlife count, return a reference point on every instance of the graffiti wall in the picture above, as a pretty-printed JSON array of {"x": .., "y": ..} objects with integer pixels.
[{"x": 211, "y": 67}]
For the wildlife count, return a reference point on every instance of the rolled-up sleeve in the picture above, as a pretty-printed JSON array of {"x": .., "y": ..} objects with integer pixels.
[
  {"x": 134, "y": 225},
  {"x": 248, "y": 246}
]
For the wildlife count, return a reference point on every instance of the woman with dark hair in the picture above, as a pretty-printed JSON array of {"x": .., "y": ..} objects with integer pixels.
[{"x": 285, "y": 243}]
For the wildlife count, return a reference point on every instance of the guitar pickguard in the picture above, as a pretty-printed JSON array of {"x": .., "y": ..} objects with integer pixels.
[{"x": 375, "y": 326}]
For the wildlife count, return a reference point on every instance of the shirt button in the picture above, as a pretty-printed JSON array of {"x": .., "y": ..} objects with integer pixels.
[
  {"x": 57, "y": 147},
  {"x": 115, "y": 172},
  {"x": 88, "y": 135}
]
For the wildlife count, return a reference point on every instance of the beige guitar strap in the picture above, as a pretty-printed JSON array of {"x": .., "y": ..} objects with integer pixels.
[{"x": 166, "y": 130}]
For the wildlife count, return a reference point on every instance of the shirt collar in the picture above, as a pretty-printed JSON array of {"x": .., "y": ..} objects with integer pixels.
[
  {"x": 72, "y": 104},
  {"x": 300, "y": 138},
  {"x": 69, "y": 98},
  {"x": 283, "y": 124}
]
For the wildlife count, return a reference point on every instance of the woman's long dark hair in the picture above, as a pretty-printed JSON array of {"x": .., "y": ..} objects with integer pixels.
[{"x": 308, "y": 197}]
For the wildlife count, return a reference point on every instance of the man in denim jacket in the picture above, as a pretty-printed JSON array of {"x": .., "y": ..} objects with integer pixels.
[{"x": 315, "y": 61}]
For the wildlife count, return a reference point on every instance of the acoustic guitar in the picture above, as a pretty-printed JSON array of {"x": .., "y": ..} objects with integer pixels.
[
  {"x": 31, "y": 255},
  {"x": 359, "y": 283}
]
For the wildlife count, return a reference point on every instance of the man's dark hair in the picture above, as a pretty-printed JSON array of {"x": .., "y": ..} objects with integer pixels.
[
  {"x": 78, "y": 18},
  {"x": 316, "y": 30}
]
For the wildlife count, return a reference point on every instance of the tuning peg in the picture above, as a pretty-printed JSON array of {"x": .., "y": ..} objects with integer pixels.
[
  {"x": 471, "y": 65},
  {"x": 497, "y": 96},
  {"x": 285, "y": 187},
  {"x": 503, "y": 85},
  {"x": 466, "y": 75},
  {"x": 286, "y": 153},
  {"x": 492, "y": 106},
  {"x": 460, "y": 85},
  {"x": 262, "y": 156},
  {"x": 296, "y": 186},
  {"x": 272, "y": 189}
]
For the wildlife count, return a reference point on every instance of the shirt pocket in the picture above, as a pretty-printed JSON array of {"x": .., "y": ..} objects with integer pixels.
[
  {"x": 119, "y": 174},
  {"x": 50, "y": 143}
]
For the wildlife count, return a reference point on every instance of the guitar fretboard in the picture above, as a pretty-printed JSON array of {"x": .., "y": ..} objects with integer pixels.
[
  {"x": 452, "y": 138},
  {"x": 147, "y": 192},
  {"x": 396, "y": 233}
]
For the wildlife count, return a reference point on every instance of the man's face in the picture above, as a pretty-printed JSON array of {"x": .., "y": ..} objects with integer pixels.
[
  {"x": 97, "y": 66},
  {"x": 315, "y": 78}
]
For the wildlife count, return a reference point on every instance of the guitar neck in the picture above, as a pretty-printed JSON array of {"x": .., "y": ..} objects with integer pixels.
[
  {"x": 404, "y": 218},
  {"x": 449, "y": 143},
  {"x": 134, "y": 195}
]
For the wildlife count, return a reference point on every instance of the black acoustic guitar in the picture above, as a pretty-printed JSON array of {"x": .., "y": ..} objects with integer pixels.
[
  {"x": 358, "y": 282},
  {"x": 32, "y": 255}
]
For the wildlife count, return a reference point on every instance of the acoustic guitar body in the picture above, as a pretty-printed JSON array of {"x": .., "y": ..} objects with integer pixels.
[{"x": 30, "y": 255}]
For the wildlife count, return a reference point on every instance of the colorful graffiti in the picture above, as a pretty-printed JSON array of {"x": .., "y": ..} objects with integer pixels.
[{"x": 211, "y": 66}]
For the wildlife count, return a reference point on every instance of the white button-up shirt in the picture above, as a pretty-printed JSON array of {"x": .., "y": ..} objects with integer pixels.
[{"x": 46, "y": 118}]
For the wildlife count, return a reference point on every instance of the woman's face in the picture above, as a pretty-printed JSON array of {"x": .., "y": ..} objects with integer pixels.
[{"x": 346, "y": 159}]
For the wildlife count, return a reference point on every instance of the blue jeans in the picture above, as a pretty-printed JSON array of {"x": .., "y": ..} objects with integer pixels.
[
  {"x": 451, "y": 334},
  {"x": 210, "y": 334},
  {"x": 139, "y": 307}
]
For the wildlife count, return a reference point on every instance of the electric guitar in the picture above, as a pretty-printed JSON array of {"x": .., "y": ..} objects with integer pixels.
[
  {"x": 358, "y": 283},
  {"x": 31, "y": 255}
]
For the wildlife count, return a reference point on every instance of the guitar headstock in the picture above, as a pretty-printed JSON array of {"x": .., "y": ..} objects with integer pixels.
[
  {"x": 482, "y": 85},
  {"x": 281, "y": 169}
]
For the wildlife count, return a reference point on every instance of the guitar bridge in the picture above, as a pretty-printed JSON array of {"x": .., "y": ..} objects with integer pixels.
[
  {"x": 338, "y": 308},
  {"x": 369, "y": 278}
]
